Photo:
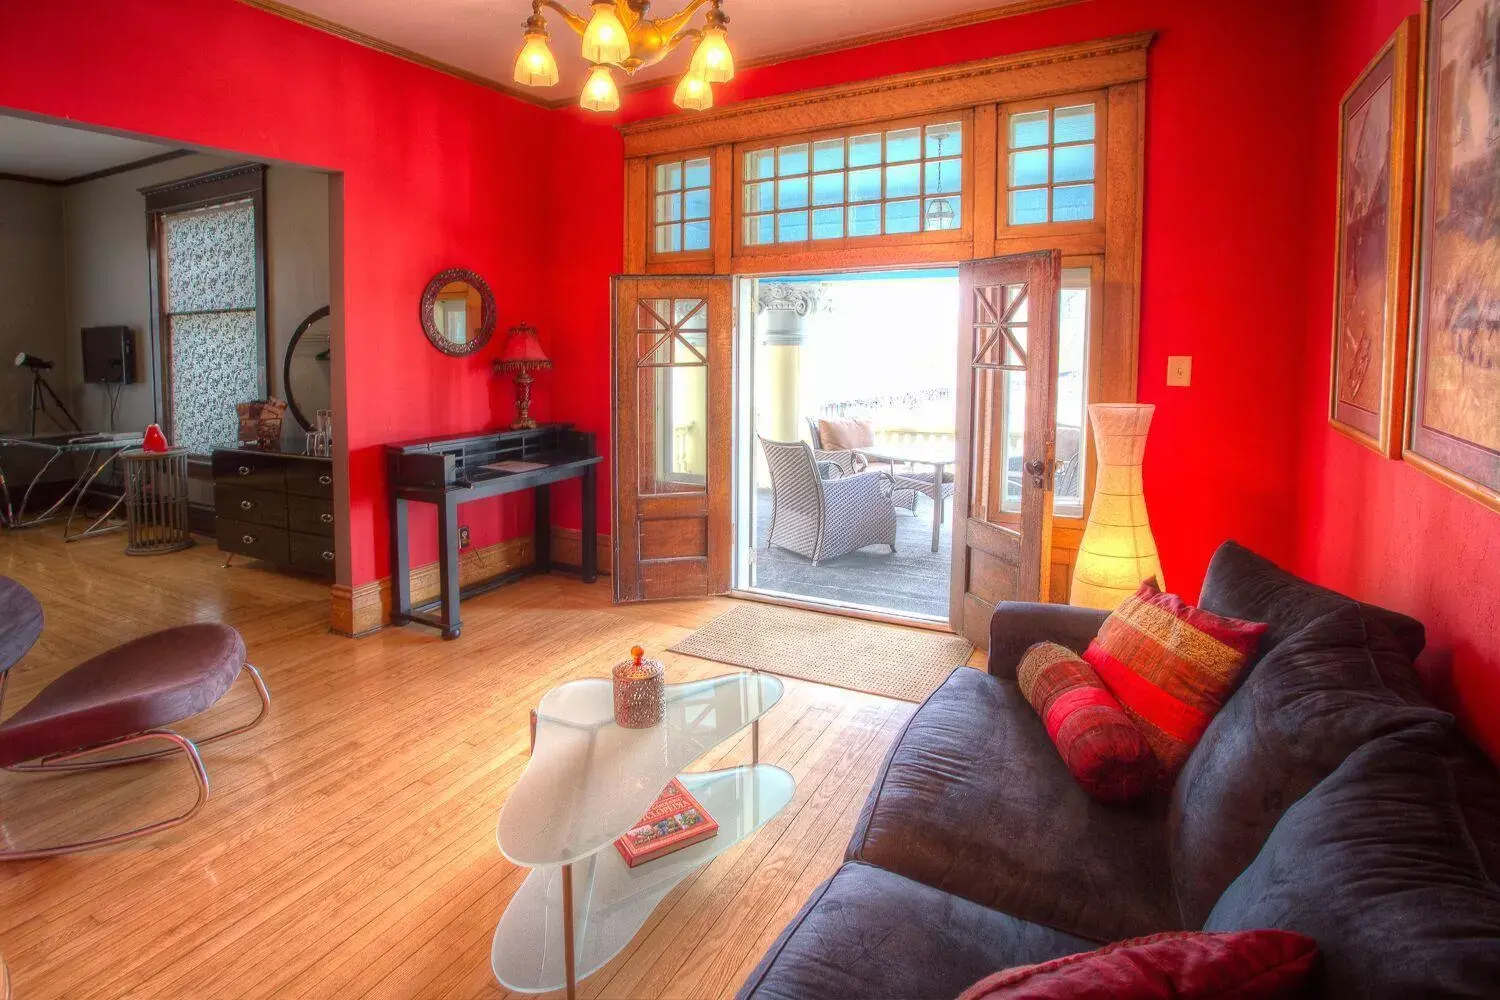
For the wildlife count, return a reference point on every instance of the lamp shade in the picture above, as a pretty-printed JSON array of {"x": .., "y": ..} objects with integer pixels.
[
  {"x": 599, "y": 91},
  {"x": 694, "y": 93},
  {"x": 536, "y": 66},
  {"x": 605, "y": 40},
  {"x": 712, "y": 58},
  {"x": 522, "y": 350},
  {"x": 1118, "y": 551}
]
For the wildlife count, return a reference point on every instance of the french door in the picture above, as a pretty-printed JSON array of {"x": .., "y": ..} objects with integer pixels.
[
  {"x": 1007, "y": 430},
  {"x": 673, "y": 409}
]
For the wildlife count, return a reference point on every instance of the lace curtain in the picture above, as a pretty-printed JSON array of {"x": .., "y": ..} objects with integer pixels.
[{"x": 210, "y": 269}]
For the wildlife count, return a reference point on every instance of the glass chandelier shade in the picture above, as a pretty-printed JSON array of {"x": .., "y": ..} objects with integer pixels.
[
  {"x": 712, "y": 59},
  {"x": 1118, "y": 551},
  {"x": 600, "y": 92},
  {"x": 694, "y": 93},
  {"x": 536, "y": 66},
  {"x": 605, "y": 40}
]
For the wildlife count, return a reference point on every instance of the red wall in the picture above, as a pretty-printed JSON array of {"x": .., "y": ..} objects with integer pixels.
[
  {"x": 1369, "y": 526},
  {"x": 1226, "y": 231},
  {"x": 437, "y": 173}
]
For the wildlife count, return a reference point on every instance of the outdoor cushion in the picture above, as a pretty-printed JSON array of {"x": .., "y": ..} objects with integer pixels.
[
  {"x": 1316, "y": 698},
  {"x": 867, "y": 934},
  {"x": 1378, "y": 866},
  {"x": 845, "y": 433},
  {"x": 974, "y": 800},
  {"x": 147, "y": 683},
  {"x": 1172, "y": 666},
  {"x": 1103, "y": 750},
  {"x": 1244, "y": 585}
]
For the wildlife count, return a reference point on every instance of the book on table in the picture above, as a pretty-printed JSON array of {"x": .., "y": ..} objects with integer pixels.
[{"x": 674, "y": 821}]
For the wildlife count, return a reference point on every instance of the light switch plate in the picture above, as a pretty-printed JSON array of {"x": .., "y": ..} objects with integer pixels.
[{"x": 1180, "y": 370}]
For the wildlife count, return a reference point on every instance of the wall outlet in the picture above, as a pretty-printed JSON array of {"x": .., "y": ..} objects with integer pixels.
[
  {"x": 463, "y": 537},
  {"x": 1180, "y": 370}
]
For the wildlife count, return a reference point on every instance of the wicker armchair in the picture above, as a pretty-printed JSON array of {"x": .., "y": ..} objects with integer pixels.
[{"x": 818, "y": 512}]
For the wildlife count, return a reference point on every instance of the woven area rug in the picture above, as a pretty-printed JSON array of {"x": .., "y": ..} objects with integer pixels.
[{"x": 880, "y": 659}]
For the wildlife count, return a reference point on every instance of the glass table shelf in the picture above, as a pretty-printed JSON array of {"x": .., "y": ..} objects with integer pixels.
[
  {"x": 589, "y": 780},
  {"x": 612, "y": 901}
]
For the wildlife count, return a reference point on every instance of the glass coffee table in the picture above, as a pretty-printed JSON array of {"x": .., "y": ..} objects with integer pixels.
[{"x": 588, "y": 782}]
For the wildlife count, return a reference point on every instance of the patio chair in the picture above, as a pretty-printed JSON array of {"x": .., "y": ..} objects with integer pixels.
[
  {"x": 849, "y": 462},
  {"x": 818, "y": 512}
]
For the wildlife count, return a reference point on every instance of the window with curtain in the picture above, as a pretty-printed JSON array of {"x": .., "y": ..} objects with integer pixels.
[{"x": 209, "y": 267}]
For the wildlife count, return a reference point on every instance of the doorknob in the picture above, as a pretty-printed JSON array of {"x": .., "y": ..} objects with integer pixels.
[{"x": 1037, "y": 470}]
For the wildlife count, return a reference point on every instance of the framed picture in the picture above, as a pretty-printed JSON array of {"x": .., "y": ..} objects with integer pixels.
[
  {"x": 1372, "y": 285},
  {"x": 1453, "y": 409}
]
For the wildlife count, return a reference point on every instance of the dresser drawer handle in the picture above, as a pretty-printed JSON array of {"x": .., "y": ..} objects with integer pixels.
[
  {"x": 247, "y": 505},
  {"x": 325, "y": 480},
  {"x": 326, "y": 518},
  {"x": 328, "y": 556},
  {"x": 248, "y": 539},
  {"x": 244, "y": 470}
]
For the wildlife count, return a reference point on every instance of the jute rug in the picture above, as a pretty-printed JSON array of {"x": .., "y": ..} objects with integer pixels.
[{"x": 880, "y": 659}]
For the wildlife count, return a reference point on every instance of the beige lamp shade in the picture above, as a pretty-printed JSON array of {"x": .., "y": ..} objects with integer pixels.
[{"x": 1118, "y": 551}]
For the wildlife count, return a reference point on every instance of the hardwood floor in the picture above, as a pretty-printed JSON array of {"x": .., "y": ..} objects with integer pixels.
[{"x": 348, "y": 848}]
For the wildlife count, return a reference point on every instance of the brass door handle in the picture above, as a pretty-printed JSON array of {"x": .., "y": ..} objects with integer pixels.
[{"x": 1037, "y": 470}]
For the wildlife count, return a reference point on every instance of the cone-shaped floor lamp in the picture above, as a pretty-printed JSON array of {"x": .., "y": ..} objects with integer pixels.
[{"x": 1118, "y": 551}]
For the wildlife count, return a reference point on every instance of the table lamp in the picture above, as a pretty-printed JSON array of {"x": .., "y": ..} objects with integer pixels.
[
  {"x": 522, "y": 354},
  {"x": 1118, "y": 551}
]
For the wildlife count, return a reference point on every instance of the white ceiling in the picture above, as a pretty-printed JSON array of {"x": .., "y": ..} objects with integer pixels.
[
  {"x": 58, "y": 153},
  {"x": 483, "y": 36}
]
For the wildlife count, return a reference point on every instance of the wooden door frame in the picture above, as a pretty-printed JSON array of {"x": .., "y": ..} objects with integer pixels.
[{"x": 715, "y": 504}]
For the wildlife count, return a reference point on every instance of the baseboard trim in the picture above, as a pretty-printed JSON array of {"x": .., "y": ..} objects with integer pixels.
[{"x": 363, "y": 610}]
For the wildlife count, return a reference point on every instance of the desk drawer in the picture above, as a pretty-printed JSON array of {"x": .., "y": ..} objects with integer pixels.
[
  {"x": 310, "y": 479},
  {"x": 312, "y": 553},
  {"x": 311, "y": 515},
  {"x": 254, "y": 540},
  {"x": 261, "y": 472},
  {"x": 256, "y": 506}
]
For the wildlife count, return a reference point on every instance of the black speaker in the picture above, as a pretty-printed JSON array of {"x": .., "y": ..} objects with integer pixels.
[{"x": 108, "y": 354}]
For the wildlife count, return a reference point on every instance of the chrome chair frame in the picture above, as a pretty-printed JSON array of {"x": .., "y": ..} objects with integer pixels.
[{"x": 68, "y": 761}]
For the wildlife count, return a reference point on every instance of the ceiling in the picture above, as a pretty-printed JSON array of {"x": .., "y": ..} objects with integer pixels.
[
  {"x": 58, "y": 152},
  {"x": 482, "y": 37}
]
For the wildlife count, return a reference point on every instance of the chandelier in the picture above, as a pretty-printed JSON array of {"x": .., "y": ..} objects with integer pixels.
[{"x": 619, "y": 35}]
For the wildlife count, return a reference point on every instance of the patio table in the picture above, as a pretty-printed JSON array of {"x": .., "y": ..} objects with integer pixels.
[{"x": 937, "y": 487}]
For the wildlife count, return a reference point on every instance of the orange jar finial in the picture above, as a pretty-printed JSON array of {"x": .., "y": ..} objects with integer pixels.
[{"x": 637, "y": 653}]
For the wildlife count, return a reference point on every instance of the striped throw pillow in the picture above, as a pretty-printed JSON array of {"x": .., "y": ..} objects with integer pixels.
[
  {"x": 1172, "y": 666},
  {"x": 1102, "y": 748}
]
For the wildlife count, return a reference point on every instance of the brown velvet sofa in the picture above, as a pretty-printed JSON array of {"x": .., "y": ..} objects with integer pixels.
[{"x": 1328, "y": 797}]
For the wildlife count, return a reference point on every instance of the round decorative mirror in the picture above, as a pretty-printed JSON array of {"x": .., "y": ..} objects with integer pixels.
[
  {"x": 307, "y": 372},
  {"x": 458, "y": 312}
]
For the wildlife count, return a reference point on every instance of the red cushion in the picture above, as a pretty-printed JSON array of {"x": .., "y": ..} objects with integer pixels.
[
  {"x": 1183, "y": 965},
  {"x": 1104, "y": 751},
  {"x": 1172, "y": 666}
]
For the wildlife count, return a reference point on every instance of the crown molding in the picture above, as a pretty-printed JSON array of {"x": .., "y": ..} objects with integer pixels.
[
  {"x": 1079, "y": 67},
  {"x": 322, "y": 24}
]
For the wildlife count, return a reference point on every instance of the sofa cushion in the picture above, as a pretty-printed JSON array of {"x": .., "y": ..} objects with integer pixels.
[
  {"x": 974, "y": 800},
  {"x": 1334, "y": 686},
  {"x": 1378, "y": 866},
  {"x": 1102, "y": 749},
  {"x": 1178, "y": 965},
  {"x": 1172, "y": 666},
  {"x": 1244, "y": 585},
  {"x": 867, "y": 933}
]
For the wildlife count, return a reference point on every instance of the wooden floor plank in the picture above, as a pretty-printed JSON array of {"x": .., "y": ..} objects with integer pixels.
[{"x": 348, "y": 847}]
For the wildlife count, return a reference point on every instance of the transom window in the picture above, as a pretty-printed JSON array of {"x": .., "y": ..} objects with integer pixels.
[
  {"x": 1051, "y": 169},
  {"x": 681, "y": 206},
  {"x": 904, "y": 180}
]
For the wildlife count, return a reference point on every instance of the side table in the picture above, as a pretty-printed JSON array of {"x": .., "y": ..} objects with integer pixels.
[
  {"x": 156, "y": 501},
  {"x": 588, "y": 782}
]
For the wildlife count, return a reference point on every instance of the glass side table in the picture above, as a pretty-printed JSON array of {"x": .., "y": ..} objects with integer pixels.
[{"x": 588, "y": 782}]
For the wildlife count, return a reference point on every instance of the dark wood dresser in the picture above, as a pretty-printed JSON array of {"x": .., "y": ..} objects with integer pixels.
[{"x": 276, "y": 506}]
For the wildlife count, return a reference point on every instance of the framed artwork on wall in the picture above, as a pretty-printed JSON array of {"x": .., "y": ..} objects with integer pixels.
[
  {"x": 1372, "y": 285},
  {"x": 1453, "y": 410}
]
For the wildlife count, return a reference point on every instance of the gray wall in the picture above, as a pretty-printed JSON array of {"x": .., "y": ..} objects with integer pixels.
[
  {"x": 32, "y": 295},
  {"x": 108, "y": 280}
]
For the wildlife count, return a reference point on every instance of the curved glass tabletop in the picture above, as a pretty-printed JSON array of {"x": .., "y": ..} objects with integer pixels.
[
  {"x": 612, "y": 901},
  {"x": 589, "y": 780}
]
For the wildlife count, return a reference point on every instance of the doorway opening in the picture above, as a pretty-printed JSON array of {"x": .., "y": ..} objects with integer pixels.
[{"x": 847, "y": 450}]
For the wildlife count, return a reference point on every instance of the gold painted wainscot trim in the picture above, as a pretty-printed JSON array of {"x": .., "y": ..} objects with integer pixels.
[{"x": 364, "y": 610}]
